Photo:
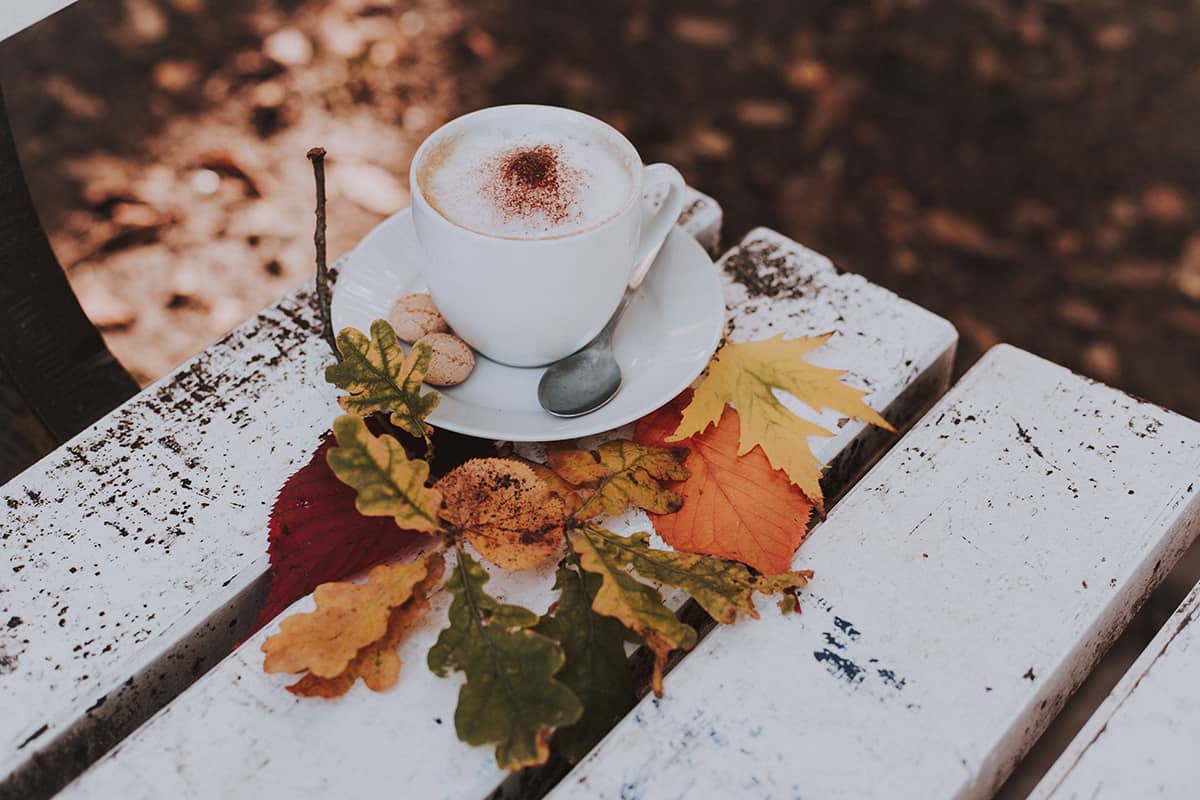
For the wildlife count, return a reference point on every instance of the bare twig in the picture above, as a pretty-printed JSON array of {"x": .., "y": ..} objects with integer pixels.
[{"x": 317, "y": 157}]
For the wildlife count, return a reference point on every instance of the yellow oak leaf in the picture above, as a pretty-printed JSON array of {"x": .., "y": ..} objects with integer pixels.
[
  {"x": 635, "y": 605},
  {"x": 512, "y": 517},
  {"x": 746, "y": 375},
  {"x": 348, "y": 617},
  {"x": 387, "y": 482},
  {"x": 723, "y": 588},
  {"x": 378, "y": 663},
  {"x": 620, "y": 474}
]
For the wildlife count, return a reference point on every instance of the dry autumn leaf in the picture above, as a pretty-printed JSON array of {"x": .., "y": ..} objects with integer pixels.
[
  {"x": 722, "y": 588},
  {"x": 564, "y": 491},
  {"x": 620, "y": 474},
  {"x": 739, "y": 508},
  {"x": 315, "y": 535},
  {"x": 508, "y": 514},
  {"x": 511, "y": 697},
  {"x": 635, "y": 605},
  {"x": 379, "y": 377},
  {"x": 378, "y": 663},
  {"x": 348, "y": 618},
  {"x": 746, "y": 375},
  {"x": 597, "y": 670},
  {"x": 387, "y": 482}
]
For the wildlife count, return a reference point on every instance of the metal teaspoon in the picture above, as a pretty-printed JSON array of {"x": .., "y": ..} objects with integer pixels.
[{"x": 587, "y": 379}]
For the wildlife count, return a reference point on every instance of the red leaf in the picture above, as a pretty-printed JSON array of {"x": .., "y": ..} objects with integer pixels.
[
  {"x": 316, "y": 535},
  {"x": 735, "y": 507}
]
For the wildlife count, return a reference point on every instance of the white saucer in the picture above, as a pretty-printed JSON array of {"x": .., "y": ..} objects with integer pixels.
[{"x": 664, "y": 341}]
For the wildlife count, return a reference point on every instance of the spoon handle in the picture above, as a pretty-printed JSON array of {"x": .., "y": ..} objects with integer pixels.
[{"x": 639, "y": 275}]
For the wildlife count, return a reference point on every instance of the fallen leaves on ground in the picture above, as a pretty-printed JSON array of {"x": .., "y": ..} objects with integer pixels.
[
  {"x": 620, "y": 474},
  {"x": 735, "y": 507},
  {"x": 596, "y": 669},
  {"x": 379, "y": 377},
  {"x": 635, "y": 605},
  {"x": 746, "y": 375},
  {"x": 316, "y": 536},
  {"x": 511, "y": 697},
  {"x": 387, "y": 482},
  {"x": 511, "y": 516},
  {"x": 351, "y": 631}
]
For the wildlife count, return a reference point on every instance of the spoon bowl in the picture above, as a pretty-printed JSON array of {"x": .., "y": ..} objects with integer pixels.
[{"x": 580, "y": 383}]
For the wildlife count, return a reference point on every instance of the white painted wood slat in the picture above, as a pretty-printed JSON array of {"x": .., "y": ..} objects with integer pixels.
[
  {"x": 236, "y": 732},
  {"x": 1141, "y": 742},
  {"x": 963, "y": 589},
  {"x": 132, "y": 558}
]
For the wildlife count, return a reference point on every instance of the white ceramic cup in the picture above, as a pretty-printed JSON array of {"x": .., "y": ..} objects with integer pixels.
[{"x": 530, "y": 302}]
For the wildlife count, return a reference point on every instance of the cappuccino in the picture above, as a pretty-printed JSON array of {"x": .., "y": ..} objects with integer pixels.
[{"x": 520, "y": 184}]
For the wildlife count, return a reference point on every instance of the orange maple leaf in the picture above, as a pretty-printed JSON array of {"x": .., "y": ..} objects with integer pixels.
[{"x": 735, "y": 507}]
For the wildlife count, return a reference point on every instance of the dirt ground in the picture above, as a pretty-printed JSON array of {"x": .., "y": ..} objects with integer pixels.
[{"x": 1029, "y": 170}]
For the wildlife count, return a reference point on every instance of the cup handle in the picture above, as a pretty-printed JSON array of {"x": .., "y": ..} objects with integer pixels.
[{"x": 656, "y": 229}]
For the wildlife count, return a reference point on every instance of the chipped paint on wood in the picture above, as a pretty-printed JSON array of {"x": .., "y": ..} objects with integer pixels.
[
  {"x": 964, "y": 588},
  {"x": 236, "y": 730}
]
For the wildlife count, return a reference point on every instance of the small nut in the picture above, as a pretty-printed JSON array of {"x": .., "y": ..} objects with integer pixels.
[
  {"x": 414, "y": 316},
  {"x": 452, "y": 359}
]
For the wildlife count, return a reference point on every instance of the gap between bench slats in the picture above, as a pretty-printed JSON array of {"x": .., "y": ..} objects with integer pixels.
[{"x": 1141, "y": 742}]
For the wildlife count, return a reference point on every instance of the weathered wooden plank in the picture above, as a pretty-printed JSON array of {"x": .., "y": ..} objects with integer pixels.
[
  {"x": 1141, "y": 742},
  {"x": 963, "y": 590},
  {"x": 237, "y": 731},
  {"x": 131, "y": 558}
]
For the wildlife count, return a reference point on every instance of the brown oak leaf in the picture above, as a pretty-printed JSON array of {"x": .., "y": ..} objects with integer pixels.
[{"x": 507, "y": 513}]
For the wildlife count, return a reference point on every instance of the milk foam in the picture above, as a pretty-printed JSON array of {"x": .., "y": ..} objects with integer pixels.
[{"x": 517, "y": 184}]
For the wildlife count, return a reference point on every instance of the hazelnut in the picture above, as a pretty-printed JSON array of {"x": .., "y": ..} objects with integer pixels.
[
  {"x": 452, "y": 359},
  {"x": 414, "y": 316}
]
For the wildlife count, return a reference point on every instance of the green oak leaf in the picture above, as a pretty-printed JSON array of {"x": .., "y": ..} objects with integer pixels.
[
  {"x": 722, "y": 588},
  {"x": 511, "y": 696},
  {"x": 635, "y": 605},
  {"x": 387, "y": 482},
  {"x": 596, "y": 669},
  {"x": 379, "y": 377}
]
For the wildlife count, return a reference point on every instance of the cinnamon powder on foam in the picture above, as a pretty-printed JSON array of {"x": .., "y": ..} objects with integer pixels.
[{"x": 534, "y": 183}]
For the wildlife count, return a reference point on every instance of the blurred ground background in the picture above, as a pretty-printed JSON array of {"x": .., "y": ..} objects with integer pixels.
[{"x": 1029, "y": 170}]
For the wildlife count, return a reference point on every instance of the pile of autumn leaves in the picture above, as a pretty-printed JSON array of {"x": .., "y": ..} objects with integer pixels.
[{"x": 738, "y": 500}]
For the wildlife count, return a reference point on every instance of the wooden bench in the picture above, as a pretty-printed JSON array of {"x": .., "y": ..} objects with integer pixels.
[{"x": 217, "y": 747}]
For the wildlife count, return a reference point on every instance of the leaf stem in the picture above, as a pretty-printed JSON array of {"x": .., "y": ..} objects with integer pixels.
[{"x": 317, "y": 156}]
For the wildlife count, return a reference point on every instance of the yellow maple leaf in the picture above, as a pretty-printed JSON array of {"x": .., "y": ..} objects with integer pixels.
[
  {"x": 349, "y": 617},
  {"x": 746, "y": 376}
]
